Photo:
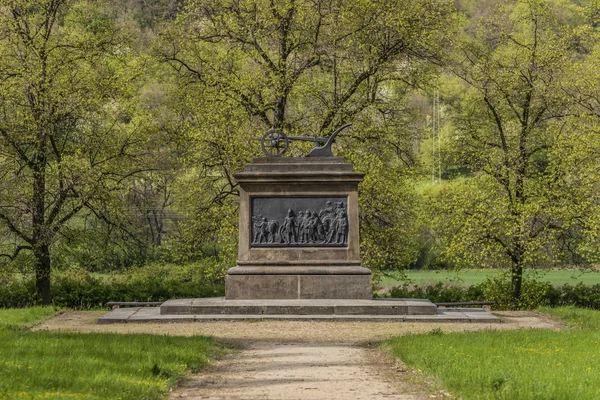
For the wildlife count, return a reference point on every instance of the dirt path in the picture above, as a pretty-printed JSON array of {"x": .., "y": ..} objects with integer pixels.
[
  {"x": 301, "y": 359},
  {"x": 298, "y": 371}
]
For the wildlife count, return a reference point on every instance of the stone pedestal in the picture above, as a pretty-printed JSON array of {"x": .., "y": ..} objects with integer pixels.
[{"x": 299, "y": 236}]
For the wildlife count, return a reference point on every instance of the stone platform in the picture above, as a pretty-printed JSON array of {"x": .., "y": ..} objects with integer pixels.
[
  {"x": 221, "y": 305},
  {"x": 400, "y": 310}
]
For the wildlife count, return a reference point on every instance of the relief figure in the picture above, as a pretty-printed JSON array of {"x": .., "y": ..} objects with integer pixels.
[{"x": 329, "y": 226}]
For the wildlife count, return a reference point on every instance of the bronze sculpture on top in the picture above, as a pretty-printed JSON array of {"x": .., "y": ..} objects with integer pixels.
[
  {"x": 275, "y": 143},
  {"x": 299, "y": 234}
]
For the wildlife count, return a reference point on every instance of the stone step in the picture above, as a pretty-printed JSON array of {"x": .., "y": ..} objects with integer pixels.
[
  {"x": 152, "y": 314},
  {"x": 220, "y": 305}
]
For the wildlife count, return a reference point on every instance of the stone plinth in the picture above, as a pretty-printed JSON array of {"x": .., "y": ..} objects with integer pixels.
[
  {"x": 219, "y": 309},
  {"x": 222, "y": 306},
  {"x": 299, "y": 236}
]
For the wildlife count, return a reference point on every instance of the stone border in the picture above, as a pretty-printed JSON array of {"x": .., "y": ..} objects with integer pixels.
[{"x": 152, "y": 314}]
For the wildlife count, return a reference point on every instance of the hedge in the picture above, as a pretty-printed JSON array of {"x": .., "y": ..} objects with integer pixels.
[{"x": 535, "y": 294}]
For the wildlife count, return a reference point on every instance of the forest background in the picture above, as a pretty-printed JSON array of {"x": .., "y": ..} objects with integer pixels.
[{"x": 122, "y": 123}]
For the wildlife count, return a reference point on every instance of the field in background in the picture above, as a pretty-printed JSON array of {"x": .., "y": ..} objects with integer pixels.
[
  {"x": 525, "y": 364},
  {"x": 474, "y": 276}
]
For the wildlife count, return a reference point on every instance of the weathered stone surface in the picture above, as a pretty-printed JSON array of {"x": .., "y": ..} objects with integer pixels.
[
  {"x": 221, "y": 305},
  {"x": 239, "y": 287},
  {"x": 261, "y": 287},
  {"x": 335, "y": 287},
  {"x": 325, "y": 177},
  {"x": 299, "y": 310},
  {"x": 305, "y": 269}
]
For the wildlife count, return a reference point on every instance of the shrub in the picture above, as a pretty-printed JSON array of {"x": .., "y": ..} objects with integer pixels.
[
  {"x": 498, "y": 289},
  {"x": 438, "y": 292},
  {"x": 77, "y": 288},
  {"x": 579, "y": 295},
  {"x": 535, "y": 294}
]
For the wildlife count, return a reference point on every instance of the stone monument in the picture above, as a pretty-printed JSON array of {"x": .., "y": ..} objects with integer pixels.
[
  {"x": 298, "y": 226},
  {"x": 299, "y": 253},
  {"x": 299, "y": 235}
]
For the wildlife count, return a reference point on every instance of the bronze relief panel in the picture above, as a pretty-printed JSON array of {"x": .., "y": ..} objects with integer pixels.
[{"x": 299, "y": 222}]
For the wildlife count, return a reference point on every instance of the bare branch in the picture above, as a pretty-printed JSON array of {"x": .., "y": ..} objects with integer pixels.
[
  {"x": 18, "y": 249},
  {"x": 15, "y": 230}
]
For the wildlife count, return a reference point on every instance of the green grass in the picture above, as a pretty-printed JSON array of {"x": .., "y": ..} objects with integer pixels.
[
  {"x": 576, "y": 317},
  {"x": 474, "y": 276},
  {"x": 53, "y": 365},
  {"x": 524, "y": 364},
  {"x": 25, "y": 318}
]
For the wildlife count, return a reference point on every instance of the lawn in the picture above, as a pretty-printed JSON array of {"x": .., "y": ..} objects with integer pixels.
[
  {"x": 53, "y": 365},
  {"x": 470, "y": 277},
  {"x": 25, "y": 318},
  {"x": 525, "y": 364}
]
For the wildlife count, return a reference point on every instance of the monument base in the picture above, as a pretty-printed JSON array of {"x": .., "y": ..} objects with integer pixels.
[
  {"x": 289, "y": 287},
  {"x": 320, "y": 307},
  {"x": 220, "y": 309},
  {"x": 291, "y": 283}
]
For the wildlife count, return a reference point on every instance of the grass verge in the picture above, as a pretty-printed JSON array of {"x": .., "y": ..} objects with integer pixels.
[
  {"x": 48, "y": 365},
  {"x": 525, "y": 364},
  {"x": 25, "y": 318}
]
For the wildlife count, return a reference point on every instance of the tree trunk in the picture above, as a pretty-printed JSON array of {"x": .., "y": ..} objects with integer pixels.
[
  {"x": 40, "y": 243},
  {"x": 516, "y": 282},
  {"x": 42, "y": 273}
]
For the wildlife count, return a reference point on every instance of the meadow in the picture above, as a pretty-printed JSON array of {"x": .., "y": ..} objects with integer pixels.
[
  {"x": 106, "y": 366},
  {"x": 468, "y": 277},
  {"x": 524, "y": 364}
]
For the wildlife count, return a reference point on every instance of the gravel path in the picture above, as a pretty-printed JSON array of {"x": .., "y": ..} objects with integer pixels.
[
  {"x": 297, "y": 371},
  {"x": 301, "y": 359}
]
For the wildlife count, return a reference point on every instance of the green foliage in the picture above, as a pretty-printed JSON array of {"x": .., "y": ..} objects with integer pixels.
[
  {"x": 535, "y": 293},
  {"x": 439, "y": 292},
  {"x": 389, "y": 225},
  {"x": 524, "y": 364},
  {"x": 69, "y": 134},
  {"x": 498, "y": 289},
  {"x": 66, "y": 365},
  {"x": 77, "y": 288},
  {"x": 467, "y": 217},
  {"x": 518, "y": 123},
  {"x": 124, "y": 123},
  {"x": 592, "y": 13},
  {"x": 18, "y": 294},
  {"x": 305, "y": 67},
  {"x": 578, "y": 295}
]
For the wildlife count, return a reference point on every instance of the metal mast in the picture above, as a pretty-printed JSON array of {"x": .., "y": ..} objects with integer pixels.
[{"x": 436, "y": 173}]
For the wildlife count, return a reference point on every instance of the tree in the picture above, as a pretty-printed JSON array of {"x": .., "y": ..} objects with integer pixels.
[
  {"x": 510, "y": 127},
  {"x": 307, "y": 67},
  {"x": 68, "y": 135}
]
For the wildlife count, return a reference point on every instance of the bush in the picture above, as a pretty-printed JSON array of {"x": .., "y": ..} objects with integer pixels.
[
  {"x": 77, "y": 288},
  {"x": 579, "y": 295},
  {"x": 498, "y": 289},
  {"x": 438, "y": 292},
  {"x": 535, "y": 294},
  {"x": 17, "y": 294}
]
